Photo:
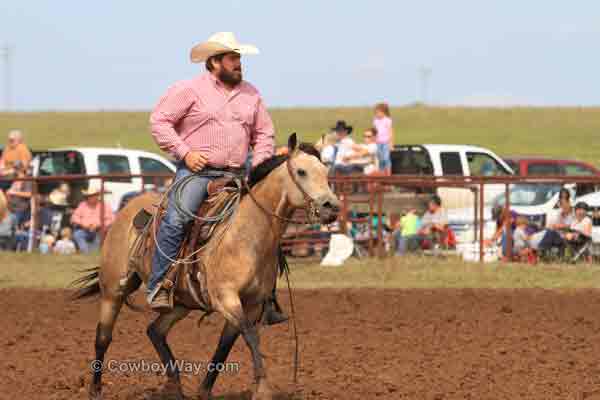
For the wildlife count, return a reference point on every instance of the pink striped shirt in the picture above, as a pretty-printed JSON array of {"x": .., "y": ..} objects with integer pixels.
[
  {"x": 201, "y": 115},
  {"x": 85, "y": 214}
]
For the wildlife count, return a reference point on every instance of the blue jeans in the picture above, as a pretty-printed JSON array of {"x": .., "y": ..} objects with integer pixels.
[
  {"x": 383, "y": 156},
  {"x": 405, "y": 244},
  {"x": 86, "y": 240},
  {"x": 172, "y": 227}
]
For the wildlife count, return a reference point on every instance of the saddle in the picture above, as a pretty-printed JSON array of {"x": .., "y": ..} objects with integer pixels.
[{"x": 186, "y": 278}]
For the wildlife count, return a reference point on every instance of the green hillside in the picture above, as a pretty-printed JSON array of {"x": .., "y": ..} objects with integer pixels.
[{"x": 561, "y": 132}]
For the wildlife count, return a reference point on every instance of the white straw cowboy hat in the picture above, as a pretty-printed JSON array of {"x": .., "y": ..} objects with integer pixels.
[
  {"x": 58, "y": 197},
  {"x": 219, "y": 43},
  {"x": 93, "y": 192}
]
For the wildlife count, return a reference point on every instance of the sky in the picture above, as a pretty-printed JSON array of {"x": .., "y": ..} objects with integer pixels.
[{"x": 110, "y": 54}]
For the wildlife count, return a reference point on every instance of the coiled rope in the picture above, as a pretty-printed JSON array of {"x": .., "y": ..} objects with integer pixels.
[{"x": 177, "y": 188}]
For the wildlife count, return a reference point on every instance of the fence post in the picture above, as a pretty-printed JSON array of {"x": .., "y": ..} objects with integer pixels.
[
  {"x": 475, "y": 214},
  {"x": 102, "y": 209},
  {"x": 370, "y": 223},
  {"x": 344, "y": 214},
  {"x": 481, "y": 222},
  {"x": 509, "y": 227},
  {"x": 380, "y": 248},
  {"x": 33, "y": 220}
]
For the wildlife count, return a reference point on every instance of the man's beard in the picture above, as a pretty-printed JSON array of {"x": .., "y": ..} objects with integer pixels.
[{"x": 230, "y": 78}]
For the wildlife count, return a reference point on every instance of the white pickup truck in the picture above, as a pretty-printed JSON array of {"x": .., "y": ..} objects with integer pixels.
[
  {"x": 451, "y": 160},
  {"x": 98, "y": 161}
]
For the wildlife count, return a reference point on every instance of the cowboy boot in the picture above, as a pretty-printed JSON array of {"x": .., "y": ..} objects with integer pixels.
[
  {"x": 273, "y": 313},
  {"x": 161, "y": 301}
]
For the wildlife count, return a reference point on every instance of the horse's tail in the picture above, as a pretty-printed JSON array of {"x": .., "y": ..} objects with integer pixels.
[{"x": 87, "y": 285}]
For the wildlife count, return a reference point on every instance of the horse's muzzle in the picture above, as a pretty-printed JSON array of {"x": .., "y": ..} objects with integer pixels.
[{"x": 328, "y": 212}]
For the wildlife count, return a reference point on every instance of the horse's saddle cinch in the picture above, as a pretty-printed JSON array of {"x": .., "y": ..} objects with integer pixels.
[{"x": 187, "y": 276}]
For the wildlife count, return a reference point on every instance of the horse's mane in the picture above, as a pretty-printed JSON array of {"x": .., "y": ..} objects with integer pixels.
[{"x": 265, "y": 167}]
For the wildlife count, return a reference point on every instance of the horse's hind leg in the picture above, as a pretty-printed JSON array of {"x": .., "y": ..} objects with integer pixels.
[
  {"x": 229, "y": 335},
  {"x": 157, "y": 332},
  {"x": 246, "y": 319},
  {"x": 109, "y": 310}
]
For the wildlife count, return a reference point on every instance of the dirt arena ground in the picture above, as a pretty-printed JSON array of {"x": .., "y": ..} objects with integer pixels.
[{"x": 355, "y": 344}]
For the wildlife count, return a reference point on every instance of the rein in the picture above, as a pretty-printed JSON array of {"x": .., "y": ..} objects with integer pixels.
[{"x": 310, "y": 206}]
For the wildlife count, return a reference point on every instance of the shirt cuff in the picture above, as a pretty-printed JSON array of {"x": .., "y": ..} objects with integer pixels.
[{"x": 181, "y": 151}]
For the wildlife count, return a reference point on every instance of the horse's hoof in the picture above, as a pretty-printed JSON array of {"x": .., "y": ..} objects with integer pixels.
[
  {"x": 204, "y": 394},
  {"x": 173, "y": 391},
  {"x": 94, "y": 392},
  {"x": 263, "y": 392}
]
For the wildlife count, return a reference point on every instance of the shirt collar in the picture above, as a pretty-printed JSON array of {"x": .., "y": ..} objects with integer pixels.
[{"x": 219, "y": 86}]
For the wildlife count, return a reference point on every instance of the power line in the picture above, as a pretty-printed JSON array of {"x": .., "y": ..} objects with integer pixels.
[{"x": 6, "y": 52}]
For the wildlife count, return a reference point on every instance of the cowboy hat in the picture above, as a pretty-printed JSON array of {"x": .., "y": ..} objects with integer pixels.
[
  {"x": 219, "y": 43},
  {"x": 341, "y": 126},
  {"x": 58, "y": 198},
  {"x": 92, "y": 192}
]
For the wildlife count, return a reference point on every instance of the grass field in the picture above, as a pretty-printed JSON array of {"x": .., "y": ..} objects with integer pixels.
[
  {"x": 35, "y": 270},
  {"x": 561, "y": 132}
]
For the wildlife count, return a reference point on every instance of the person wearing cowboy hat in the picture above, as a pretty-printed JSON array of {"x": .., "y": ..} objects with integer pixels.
[
  {"x": 87, "y": 223},
  {"x": 208, "y": 124},
  {"x": 343, "y": 150}
]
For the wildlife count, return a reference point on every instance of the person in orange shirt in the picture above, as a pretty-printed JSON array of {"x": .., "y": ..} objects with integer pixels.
[
  {"x": 86, "y": 221},
  {"x": 15, "y": 153}
]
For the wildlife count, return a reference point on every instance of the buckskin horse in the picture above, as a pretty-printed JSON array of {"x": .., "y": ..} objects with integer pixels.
[{"x": 240, "y": 269}]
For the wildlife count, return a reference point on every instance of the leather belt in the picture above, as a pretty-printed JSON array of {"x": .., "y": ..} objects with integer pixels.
[{"x": 231, "y": 170}]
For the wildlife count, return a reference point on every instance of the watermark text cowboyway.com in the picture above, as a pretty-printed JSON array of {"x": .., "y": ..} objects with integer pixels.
[{"x": 156, "y": 367}]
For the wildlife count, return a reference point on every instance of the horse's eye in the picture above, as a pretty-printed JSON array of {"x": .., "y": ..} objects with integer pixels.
[{"x": 301, "y": 173}]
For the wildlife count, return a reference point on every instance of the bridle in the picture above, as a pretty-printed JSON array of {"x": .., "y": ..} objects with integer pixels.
[{"x": 310, "y": 206}]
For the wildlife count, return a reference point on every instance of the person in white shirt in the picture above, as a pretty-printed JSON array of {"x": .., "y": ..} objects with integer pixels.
[
  {"x": 343, "y": 149},
  {"x": 580, "y": 235},
  {"x": 562, "y": 218},
  {"x": 326, "y": 145},
  {"x": 582, "y": 225},
  {"x": 364, "y": 155},
  {"x": 65, "y": 245}
]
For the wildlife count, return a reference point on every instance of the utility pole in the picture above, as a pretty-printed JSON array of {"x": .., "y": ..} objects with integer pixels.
[
  {"x": 6, "y": 53},
  {"x": 424, "y": 75}
]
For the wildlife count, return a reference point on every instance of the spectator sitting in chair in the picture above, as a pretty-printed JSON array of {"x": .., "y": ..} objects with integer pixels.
[
  {"x": 562, "y": 218},
  {"x": 86, "y": 221},
  {"x": 434, "y": 223},
  {"x": 15, "y": 155},
  {"x": 505, "y": 222},
  {"x": 582, "y": 224},
  {"x": 343, "y": 149},
  {"x": 8, "y": 227},
  {"x": 19, "y": 195},
  {"x": 405, "y": 232},
  {"x": 524, "y": 244},
  {"x": 65, "y": 245},
  {"x": 580, "y": 231},
  {"x": 364, "y": 155}
]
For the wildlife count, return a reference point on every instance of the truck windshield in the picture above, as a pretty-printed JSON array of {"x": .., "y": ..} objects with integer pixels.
[
  {"x": 411, "y": 160},
  {"x": 61, "y": 163}
]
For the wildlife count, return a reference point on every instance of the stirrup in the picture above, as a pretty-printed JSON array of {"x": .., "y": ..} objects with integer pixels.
[{"x": 162, "y": 300}]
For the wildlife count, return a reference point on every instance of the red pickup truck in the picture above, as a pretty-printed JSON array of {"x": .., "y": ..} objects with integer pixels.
[{"x": 524, "y": 166}]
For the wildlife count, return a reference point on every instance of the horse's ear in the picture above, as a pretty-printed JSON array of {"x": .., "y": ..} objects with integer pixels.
[{"x": 292, "y": 142}]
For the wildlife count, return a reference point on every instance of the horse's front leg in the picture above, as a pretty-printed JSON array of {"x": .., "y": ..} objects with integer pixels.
[{"x": 247, "y": 321}]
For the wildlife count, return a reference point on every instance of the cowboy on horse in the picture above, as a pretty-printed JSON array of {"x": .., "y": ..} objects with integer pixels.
[{"x": 208, "y": 124}]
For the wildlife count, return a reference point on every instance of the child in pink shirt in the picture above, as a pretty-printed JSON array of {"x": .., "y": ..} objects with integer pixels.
[{"x": 385, "y": 136}]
